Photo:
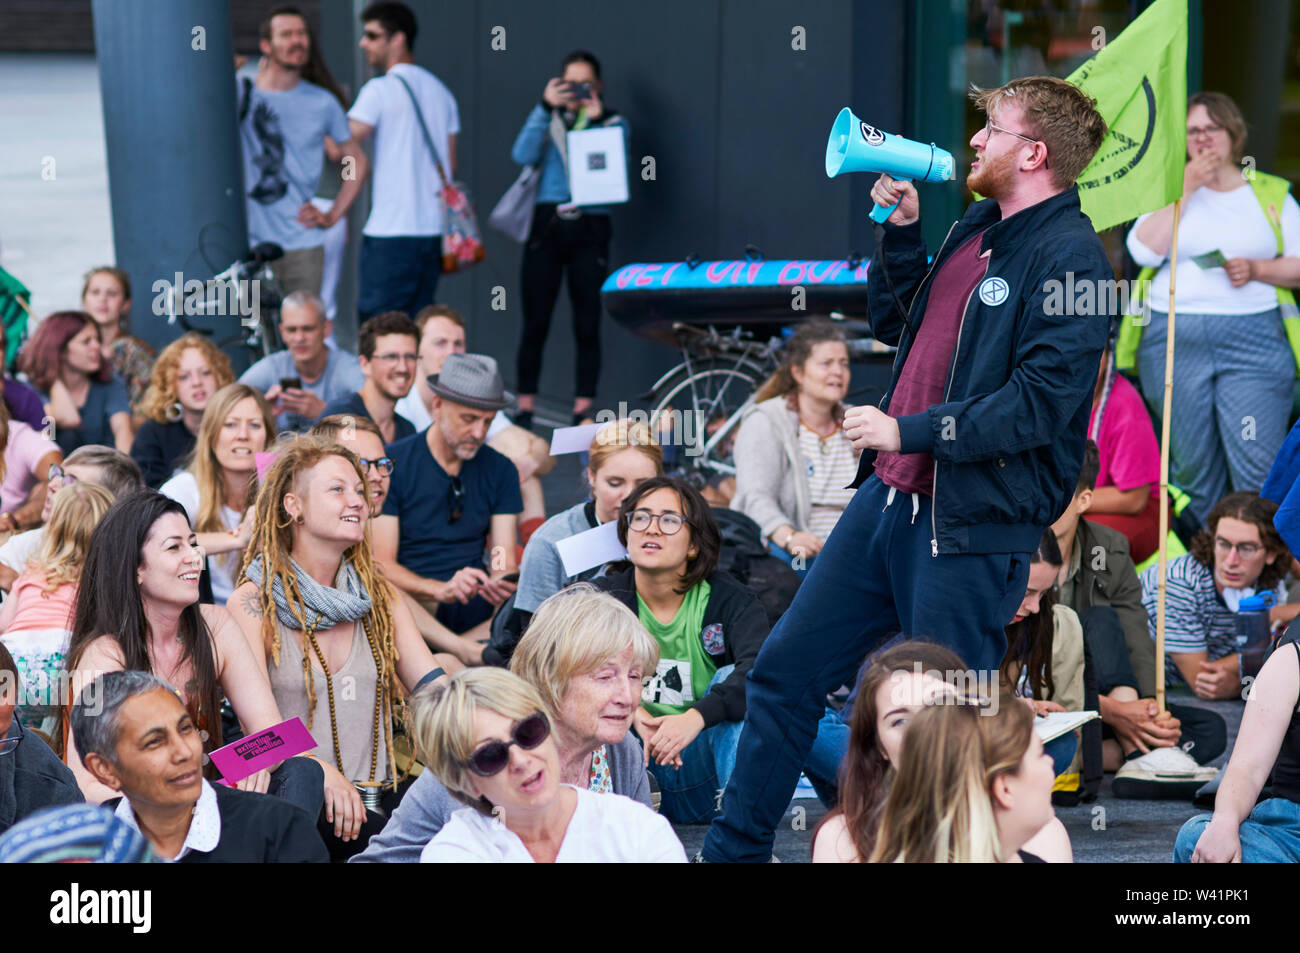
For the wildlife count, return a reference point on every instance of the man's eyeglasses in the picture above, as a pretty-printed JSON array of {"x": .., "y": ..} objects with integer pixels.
[
  {"x": 1210, "y": 130},
  {"x": 395, "y": 358},
  {"x": 457, "y": 508},
  {"x": 492, "y": 757},
  {"x": 1244, "y": 550},
  {"x": 991, "y": 125},
  {"x": 383, "y": 465},
  {"x": 669, "y": 523},
  {"x": 58, "y": 473}
]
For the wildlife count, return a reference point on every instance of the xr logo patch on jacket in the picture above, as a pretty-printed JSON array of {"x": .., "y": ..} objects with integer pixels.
[{"x": 712, "y": 637}]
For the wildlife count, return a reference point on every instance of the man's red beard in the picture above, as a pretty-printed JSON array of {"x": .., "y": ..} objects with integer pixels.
[{"x": 993, "y": 178}]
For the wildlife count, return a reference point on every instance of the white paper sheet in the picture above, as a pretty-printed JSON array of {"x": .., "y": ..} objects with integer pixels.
[
  {"x": 591, "y": 548},
  {"x": 573, "y": 439}
]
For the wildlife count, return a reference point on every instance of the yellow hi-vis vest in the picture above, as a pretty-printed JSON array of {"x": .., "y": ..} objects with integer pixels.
[{"x": 1270, "y": 191}]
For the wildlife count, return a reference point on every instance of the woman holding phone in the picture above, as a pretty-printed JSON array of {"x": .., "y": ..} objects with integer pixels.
[{"x": 563, "y": 236}]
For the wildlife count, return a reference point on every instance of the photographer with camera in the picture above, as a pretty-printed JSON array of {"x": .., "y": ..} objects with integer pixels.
[{"x": 563, "y": 237}]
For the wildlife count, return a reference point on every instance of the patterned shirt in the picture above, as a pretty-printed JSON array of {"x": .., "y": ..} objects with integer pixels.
[
  {"x": 1196, "y": 617},
  {"x": 601, "y": 780},
  {"x": 830, "y": 465}
]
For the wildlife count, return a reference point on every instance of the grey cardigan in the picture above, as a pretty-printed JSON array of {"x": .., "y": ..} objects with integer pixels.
[
  {"x": 771, "y": 484},
  {"x": 427, "y": 806}
]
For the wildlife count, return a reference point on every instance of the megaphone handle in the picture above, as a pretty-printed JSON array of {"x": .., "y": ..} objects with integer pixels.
[{"x": 881, "y": 212}]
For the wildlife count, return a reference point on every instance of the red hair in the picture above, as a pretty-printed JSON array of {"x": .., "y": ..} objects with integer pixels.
[{"x": 43, "y": 351}]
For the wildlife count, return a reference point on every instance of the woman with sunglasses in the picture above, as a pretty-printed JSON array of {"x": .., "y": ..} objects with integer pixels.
[
  {"x": 585, "y": 654},
  {"x": 340, "y": 647},
  {"x": 709, "y": 629},
  {"x": 1238, "y": 341},
  {"x": 28, "y": 458},
  {"x": 485, "y": 735}
]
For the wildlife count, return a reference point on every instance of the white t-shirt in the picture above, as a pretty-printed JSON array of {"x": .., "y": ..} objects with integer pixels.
[
  {"x": 19, "y": 548},
  {"x": 403, "y": 197},
  {"x": 184, "y": 489},
  {"x": 605, "y": 828},
  {"x": 1230, "y": 222},
  {"x": 413, "y": 409}
]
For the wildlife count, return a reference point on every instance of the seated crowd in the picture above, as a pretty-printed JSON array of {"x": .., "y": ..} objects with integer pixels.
[{"x": 361, "y": 543}]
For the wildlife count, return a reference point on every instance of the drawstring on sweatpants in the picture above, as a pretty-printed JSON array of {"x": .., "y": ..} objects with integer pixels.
[{"x": 916, "y": 502}]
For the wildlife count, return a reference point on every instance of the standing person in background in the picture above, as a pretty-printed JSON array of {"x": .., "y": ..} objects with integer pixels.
[
  {"x": 88, "y": 404},
  {"x": 1238, "y": 331},
  {"x": 218, "y": 487},
  {"x": 106, "y": 297},
  {"x": 563, "y": 236},
  {"x": 287, "y": 126},
  {"x": 401, "y": 247},
  {"x": 186, "y": 375}
]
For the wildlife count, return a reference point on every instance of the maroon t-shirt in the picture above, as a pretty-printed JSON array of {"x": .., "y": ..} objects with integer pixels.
[{"x": 925, "y": 373}]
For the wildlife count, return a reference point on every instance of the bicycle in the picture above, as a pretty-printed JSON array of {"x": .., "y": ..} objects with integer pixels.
[
  {"x": 718, "y": 376},
  {"x": 246, "y": 288}
]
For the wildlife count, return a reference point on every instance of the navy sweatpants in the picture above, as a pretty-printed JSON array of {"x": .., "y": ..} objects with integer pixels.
[{"x": 875, "y": 577}]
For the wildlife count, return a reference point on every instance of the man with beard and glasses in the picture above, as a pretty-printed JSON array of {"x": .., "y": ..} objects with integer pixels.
[
  {"x": 448, "y": 529},
  {"x": 973, "y": 452},
  {"x": 387, "y": 345},
  {"x": 287, "y": 127}
]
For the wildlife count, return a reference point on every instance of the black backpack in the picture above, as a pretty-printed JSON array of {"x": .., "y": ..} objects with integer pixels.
[{"x": 745, "y": 557}]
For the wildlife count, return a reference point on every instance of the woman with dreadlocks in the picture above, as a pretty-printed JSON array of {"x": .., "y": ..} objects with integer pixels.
[{"x": 342, "y": 650}]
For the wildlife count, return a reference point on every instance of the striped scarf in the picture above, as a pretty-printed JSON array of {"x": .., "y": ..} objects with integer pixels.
[{"x": 324, "y": 607}]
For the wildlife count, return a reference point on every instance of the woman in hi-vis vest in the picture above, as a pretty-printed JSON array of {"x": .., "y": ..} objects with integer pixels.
[{"x": 1237, "y": 332}]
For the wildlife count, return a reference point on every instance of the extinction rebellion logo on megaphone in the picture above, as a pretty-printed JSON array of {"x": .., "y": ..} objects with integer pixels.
[{"x": 873, "y": 135}]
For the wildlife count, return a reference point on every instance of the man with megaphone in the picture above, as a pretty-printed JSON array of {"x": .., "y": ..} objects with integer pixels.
[{"x": 974, "y": 450}]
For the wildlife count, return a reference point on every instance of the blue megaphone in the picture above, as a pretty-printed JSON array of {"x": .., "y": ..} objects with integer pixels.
[{"x": 855, "y": 146}]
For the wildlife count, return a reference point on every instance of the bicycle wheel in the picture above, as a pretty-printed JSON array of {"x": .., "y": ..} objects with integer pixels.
[{"x": 701, "y": 401}]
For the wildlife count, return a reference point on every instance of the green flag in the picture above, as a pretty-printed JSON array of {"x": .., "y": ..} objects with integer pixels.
[{"x": 1139, "y": 80}]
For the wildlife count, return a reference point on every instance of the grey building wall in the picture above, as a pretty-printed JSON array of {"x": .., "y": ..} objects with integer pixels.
[{"x": 734, "y": 117}]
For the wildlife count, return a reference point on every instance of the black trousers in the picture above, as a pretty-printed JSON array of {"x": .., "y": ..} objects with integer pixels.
[
  {"x": 555, "y": 246},
  {"x": 1205, "y": 733}
]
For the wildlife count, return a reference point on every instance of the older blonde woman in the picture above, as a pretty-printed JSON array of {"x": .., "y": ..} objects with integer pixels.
[
  {"x": 585, "y": 655},
  {"x": 487, "y": 739}
]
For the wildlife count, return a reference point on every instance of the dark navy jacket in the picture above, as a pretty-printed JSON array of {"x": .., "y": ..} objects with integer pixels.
[{"x": 1008, "y": 438}]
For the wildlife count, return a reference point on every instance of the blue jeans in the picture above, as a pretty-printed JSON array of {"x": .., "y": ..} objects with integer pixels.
[
  {"x": 1270, "y": 835},
  {"x": 398, "y": 274},
  {"x": 874, "y": 578},
  {"x": 301, "y": 782},
  {"x": 692, "y": 794},
  {"x": 829, "y": 748}
]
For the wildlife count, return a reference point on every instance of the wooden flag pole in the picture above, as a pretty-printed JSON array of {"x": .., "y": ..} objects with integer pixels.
[{"x": 1163, "y": 571}]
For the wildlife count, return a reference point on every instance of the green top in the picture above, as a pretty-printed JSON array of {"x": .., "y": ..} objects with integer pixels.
[{"x": 685, "y": 669}]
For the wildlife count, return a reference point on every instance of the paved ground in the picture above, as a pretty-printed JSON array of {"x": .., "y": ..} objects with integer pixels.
[{"x": 1108, "y": 830}]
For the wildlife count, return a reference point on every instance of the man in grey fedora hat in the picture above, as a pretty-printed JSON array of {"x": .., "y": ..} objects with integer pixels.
[{"x": 451, "y": 498}]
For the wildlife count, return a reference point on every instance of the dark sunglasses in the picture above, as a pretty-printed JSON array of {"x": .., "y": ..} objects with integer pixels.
[
  {"x": 457, "y": 500},
  {"x": 495, "y": 755}
]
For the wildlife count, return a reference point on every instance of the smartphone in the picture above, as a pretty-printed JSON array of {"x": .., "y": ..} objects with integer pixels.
[
  {"x": 510, "y": 577},
  {"x": 580, "y": 91},
  {"x": 288, "y": 383}
]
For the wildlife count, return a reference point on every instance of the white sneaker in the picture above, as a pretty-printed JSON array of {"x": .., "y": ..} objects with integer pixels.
[{"x": 1162, "y": 773}]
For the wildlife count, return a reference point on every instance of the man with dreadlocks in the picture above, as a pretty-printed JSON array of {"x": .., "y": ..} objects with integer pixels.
[{"x": 340, "y": 647}]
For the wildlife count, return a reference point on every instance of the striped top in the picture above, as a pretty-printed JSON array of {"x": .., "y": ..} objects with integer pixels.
[
  {"x": 831, "y": 465},
  {"x": 1196, "y": 617}
]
